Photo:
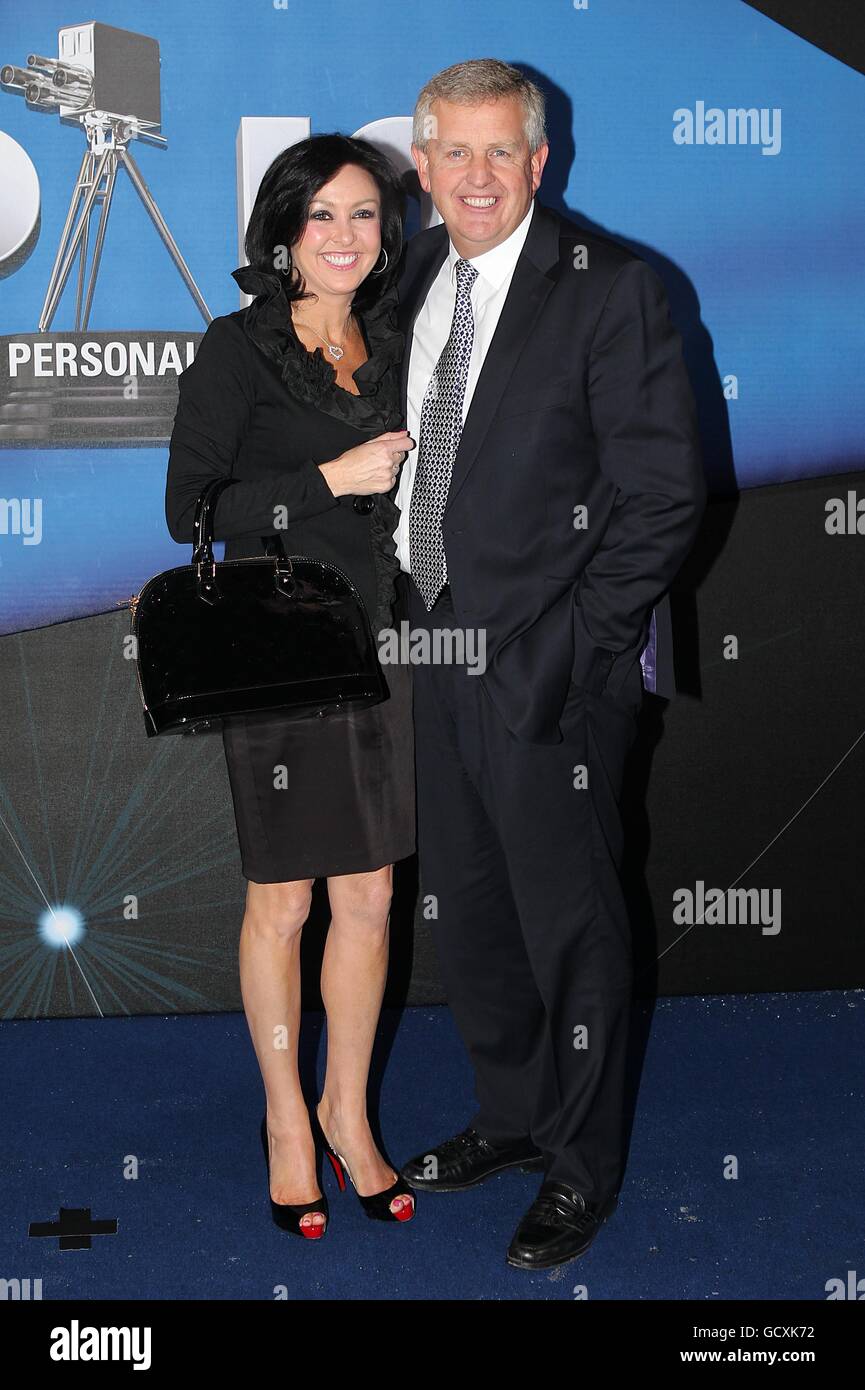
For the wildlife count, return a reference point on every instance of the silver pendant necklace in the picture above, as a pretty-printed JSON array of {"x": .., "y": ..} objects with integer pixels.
[{"x": 333, "y": 348}]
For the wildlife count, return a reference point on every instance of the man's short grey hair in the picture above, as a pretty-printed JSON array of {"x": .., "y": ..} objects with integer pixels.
[{"x": 474, "y": 82}]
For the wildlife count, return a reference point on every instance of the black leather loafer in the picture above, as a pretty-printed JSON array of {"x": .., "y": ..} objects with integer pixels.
[
  {"x": 558, "y": 1226},
  {"x": 465, "y": 1160}
]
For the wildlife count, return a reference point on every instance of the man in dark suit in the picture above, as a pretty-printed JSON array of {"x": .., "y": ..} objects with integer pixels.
[{"x": 554, "y": 493}]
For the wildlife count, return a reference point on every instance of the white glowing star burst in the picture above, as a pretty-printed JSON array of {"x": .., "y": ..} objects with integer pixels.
[{"x": 61, "y": 926}]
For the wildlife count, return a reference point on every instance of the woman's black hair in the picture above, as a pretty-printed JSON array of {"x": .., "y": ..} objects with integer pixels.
[{"x": 291, "y": 182}]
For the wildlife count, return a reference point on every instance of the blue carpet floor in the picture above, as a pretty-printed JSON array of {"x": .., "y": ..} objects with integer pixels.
[{"x": 775, "y": 1081}]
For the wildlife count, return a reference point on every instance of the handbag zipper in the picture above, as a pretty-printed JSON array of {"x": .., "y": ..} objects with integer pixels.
[{"x": 133, "y": 602}]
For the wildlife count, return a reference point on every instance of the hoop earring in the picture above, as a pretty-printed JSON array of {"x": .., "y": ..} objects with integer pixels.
[
  {"x": 384, "y": 267},
  {"x": 286, "y": 271}
]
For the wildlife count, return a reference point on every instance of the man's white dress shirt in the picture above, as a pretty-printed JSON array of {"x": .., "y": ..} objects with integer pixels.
[{"x": 431, "y": 328}]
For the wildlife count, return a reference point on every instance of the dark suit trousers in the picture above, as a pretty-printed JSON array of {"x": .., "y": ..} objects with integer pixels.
[{"x": 529, "y": 917}]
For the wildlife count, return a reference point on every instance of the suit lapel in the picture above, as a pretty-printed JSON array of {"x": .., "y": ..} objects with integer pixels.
[
  {"x": 527, "y": 294},
  {"x": 412, "y": 298}
]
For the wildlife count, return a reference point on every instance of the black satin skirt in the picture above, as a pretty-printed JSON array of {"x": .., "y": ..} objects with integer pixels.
[{"x": 318, "y": 797}]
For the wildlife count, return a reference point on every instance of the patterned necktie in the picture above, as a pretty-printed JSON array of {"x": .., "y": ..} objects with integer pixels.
[{"x": 441, "y": 423}]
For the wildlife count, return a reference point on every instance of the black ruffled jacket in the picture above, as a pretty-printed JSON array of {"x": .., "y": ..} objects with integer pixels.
[{"x": 255, "y": 404}]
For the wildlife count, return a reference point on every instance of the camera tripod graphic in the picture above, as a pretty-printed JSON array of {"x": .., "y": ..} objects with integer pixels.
[
  {"x": 107, "y": 141},
  {"x": 107, "y": 81}
]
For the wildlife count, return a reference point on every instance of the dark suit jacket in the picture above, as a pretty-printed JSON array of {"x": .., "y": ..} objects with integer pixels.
[{"x": 583, "y": 401}]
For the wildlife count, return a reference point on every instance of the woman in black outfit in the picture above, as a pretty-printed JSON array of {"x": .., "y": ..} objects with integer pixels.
[{"x": 296, "y": 398}]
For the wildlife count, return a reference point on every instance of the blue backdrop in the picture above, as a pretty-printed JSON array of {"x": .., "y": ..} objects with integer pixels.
[{"x": 761, "y": 252}]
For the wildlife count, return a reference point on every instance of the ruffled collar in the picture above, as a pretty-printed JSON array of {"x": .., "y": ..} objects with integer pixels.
[{"x": 308, "y": 375}]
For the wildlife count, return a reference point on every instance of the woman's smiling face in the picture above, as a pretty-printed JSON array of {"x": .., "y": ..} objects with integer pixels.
[{"x": 342, "y": 239}]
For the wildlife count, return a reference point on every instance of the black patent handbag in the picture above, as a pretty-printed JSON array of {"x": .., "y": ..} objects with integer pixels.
[{"x": 286, "y": 633}]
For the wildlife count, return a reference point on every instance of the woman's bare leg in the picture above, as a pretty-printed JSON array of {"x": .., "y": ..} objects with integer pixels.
[
  {"x": 270, "y": 985},
  {"x": 353, "y": 976}
]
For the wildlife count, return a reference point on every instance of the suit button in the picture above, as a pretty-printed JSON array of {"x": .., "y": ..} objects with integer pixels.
[{"x": 363, "y": 505}]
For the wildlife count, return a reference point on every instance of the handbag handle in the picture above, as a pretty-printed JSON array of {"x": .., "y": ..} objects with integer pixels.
[
  {"x": 202, "y": 554},
  {"x": 283, "y": 576},
  {"x": 202, "y": 540},
  {"x": 202, "y": 526}
]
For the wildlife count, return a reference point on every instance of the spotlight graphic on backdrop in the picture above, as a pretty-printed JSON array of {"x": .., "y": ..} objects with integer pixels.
[
  {"x": 105, "y": 80},
  {"x": 61, "y": 926}
]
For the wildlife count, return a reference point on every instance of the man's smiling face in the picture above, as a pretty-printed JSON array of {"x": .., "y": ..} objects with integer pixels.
[{"x": 479, "y": 170}]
